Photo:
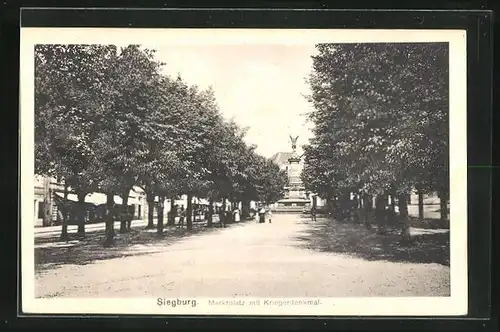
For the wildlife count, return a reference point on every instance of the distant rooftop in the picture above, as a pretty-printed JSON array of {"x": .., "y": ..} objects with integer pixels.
[{"x": 281, "y": 158}]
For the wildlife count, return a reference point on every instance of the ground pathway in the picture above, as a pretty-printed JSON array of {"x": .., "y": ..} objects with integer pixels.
[{"x": 284, "y": 258}]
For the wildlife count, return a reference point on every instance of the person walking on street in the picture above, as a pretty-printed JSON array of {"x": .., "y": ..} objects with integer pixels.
[
  {"x": 236, "y": 215},
  {"x": 262, "y": 215},
  {"x": 313, "y": 213},
  {"x": 222, "y": 218},
  {"x": 269, "y": 215}
]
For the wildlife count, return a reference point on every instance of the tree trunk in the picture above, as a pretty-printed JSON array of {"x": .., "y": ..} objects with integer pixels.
[
  {"x": 124, "y": 212},
  {"x": 393, "y": 199},
  {"x": 344, "y": 206},
  {"x": 367, "y": 208},
  {"x": 150, "y": 198},
  {"x": 245, "y": 209},
  {"x": 110, "y": 220},
  {"x": 330, "y": 203},
  {"x": 403, "y": 206},
  {"x": 358, "y": 208},
  {"x": 333, "y": 205},
  {"x": 224, "y": 203},
  {"x": 130, "y": 217},
  {"x": 223, "y": 215},
  {"x": 171, "y": 214},
  {"x": 161, "y": 208},
  {"x": 420, "y": 205},
  {"x": 210, "y": 212},
  {"x": 403, "y": 217},
  {"x": 81, "y": 214},
  {"x": 364, "y": 201},
  {"x": 443, "y": 203},
  {"x": 391, "y": 213},
  {"x": 64, "y": 211},
  {"x": 189, "y": 212},
  {"x": 380, "y": 215}
]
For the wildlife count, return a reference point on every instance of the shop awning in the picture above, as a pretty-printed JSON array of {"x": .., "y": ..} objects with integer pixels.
[
  {"x": 71, "y": 197},
  {"x": 98, "y": 199},
  {"x": 202, "y": 201}
]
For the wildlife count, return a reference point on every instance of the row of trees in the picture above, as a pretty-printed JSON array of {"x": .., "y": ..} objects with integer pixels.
[
  {"x": 381, "y": 124},
  {"x": 108, "y": 119}
]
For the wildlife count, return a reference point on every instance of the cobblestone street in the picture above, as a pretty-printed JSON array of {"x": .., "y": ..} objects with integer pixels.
[{"x": 289, "y": 257}]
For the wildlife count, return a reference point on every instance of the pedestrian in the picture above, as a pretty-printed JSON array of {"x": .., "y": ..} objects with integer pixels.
[
  {"x": 236, "y": 215},
  {"x": 269, "y": 215},
  {"x": 313, "y": 213},
  {"x": 262, "y": 215},
  {"x": 222, "y": 218}
]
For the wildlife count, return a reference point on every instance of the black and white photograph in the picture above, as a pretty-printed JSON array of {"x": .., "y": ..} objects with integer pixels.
[{"x": 243, "y": 171}]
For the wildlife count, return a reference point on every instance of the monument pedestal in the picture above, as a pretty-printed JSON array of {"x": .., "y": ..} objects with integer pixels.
[
  {"x": 295, "y": 195},
  {"x": 292, "y": 205}
]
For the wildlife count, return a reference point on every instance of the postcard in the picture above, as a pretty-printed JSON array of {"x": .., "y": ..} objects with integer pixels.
[{"x": 308, "y": 172}]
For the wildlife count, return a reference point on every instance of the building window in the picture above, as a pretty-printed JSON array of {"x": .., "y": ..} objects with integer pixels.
[
  {"x": 139, "y": 211},
  {"x": 40, "y": 210}
]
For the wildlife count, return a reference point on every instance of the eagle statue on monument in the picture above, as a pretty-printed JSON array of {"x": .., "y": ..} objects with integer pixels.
[{"x": 294, "y": 141}]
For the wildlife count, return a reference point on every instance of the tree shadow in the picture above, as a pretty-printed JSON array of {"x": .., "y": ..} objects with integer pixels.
[
  {"x": 51, "y": 252},
  {"x": 329, "y": 235},
  {"x": 429, "y": 223}
]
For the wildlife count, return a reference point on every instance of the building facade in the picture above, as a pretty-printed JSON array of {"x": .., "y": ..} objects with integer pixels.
[{"x": 47, "y": 191}]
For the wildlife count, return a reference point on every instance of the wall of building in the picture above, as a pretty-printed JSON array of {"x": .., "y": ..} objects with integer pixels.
[
  {"x": 45, "y": 188},
  {"x": 182, "y": 202},
  {"x": 38, "y": 200},
  {"x": 428, "y": 199}
]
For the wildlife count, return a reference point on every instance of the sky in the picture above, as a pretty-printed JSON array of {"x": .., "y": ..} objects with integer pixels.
[{"x": 261, "y": 87}]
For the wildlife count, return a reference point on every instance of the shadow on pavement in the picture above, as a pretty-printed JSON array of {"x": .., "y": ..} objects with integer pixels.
[
  {"x": 429, "y": 223},
  {"x": 354, "y": 239},
  {"x": 51, "y": 252}
]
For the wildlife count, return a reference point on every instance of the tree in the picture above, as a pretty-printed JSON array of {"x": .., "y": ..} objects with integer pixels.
[
  {"x": 133, "y": 78},
  {"x": 228, "y": 163},
  {"x": 380, "y": 119},
  {"x": 163, "y": 137},
  {"x": 203, "y": 124},
  {"x": 170, "y": 164},
  {"x": 270, "y": 182},
  {"x": 69, "y": 94}
]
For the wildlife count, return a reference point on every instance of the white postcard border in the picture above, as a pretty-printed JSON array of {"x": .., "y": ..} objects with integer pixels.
[{"x": 456, "y": 304}]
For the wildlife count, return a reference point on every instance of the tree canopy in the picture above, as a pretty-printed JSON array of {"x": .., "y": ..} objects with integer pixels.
[
  {"x": 380, "y": 118},
  {"x": 108, "y": 119}
]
